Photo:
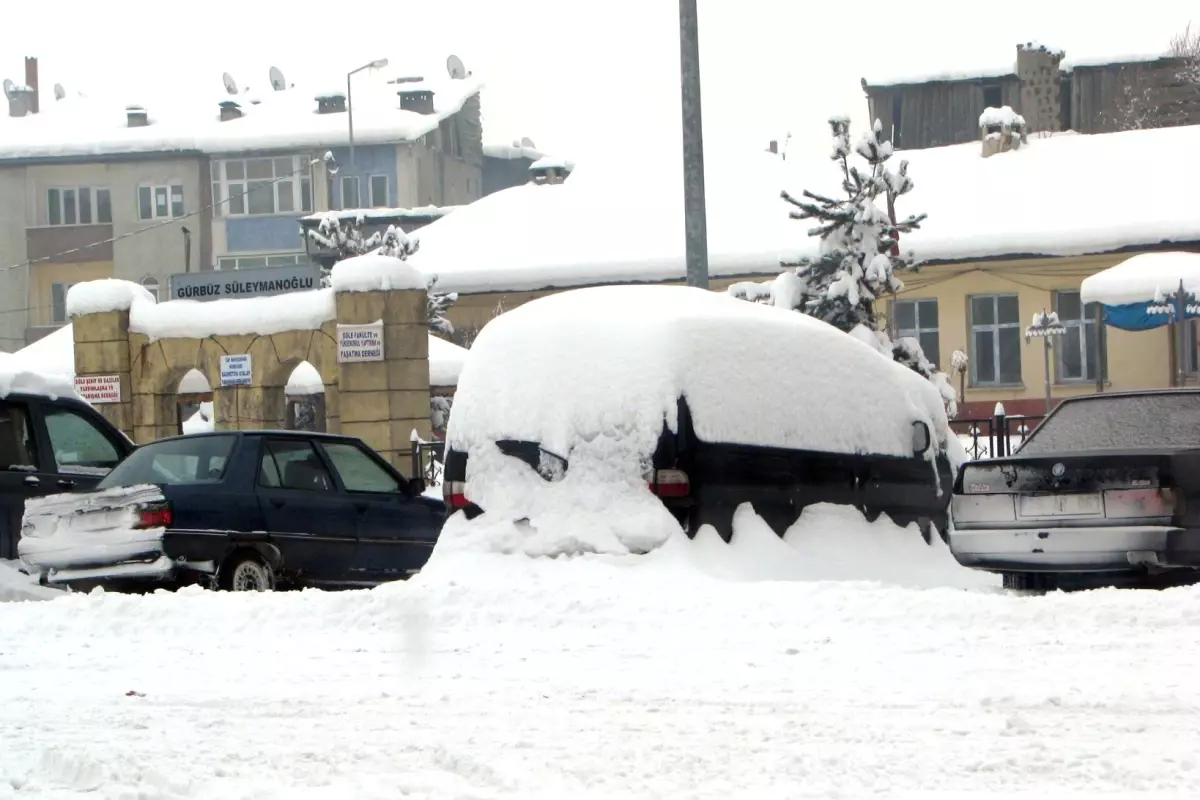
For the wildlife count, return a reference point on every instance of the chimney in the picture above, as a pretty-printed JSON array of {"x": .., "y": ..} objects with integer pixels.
[
  {"x": 773, "y": 147},
  {"x": 136, "y": 117},
  {"x": 20, "y": 100},
  {"x": 548, "y": 171},
  {"x": 332, "y": 103},
  {"x": 230, "y": 109},
  {"x": 31, "y": 80},
  {"x": 1001, "y": 129},
  {"x": 416, "y": 100}
]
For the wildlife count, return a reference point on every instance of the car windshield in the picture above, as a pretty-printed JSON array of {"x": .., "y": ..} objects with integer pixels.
[
  {"x": 1119, "y": 423},
  {"x": 174, "y": 462}
]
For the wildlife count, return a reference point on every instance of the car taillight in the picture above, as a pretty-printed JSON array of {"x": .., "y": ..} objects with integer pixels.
[
  {"x": 155, "y": 518},
  {"x": 983, "y": 508},
  {"x": 670, "y": 483},
  {"x": 1134, "y": 503},
  {"x": 454, "y": 493}
]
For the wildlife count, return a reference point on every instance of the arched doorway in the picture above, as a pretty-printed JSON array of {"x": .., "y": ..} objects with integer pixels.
[
  {"x": 195, "y": 403},
  {"x": 305, "y": 396}
]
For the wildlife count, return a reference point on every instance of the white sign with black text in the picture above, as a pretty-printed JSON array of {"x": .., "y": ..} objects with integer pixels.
[
  {"x": 235, "y": 370},
  {"x": 360, "y": 342},
  {"x": 99, "y": 388}
]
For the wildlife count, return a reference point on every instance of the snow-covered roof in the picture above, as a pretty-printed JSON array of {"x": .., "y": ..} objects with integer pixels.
[
  {"x": 1144, "y": 278},
  {"x": 78, "y": 126},
  {"x": 511, "y": 151},
  {"x": 379, "y": 215},
  {"x": 1001, "y": 68},
  {"x": 1068, "y": 194}
]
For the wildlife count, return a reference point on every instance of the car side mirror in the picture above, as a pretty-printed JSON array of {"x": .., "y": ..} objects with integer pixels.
[
  {"x": 416, "y": 486},
  {"x": 921, "y": 438}
]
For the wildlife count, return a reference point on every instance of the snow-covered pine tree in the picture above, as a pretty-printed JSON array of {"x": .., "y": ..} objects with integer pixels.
[{"x": 859, "y": 253}]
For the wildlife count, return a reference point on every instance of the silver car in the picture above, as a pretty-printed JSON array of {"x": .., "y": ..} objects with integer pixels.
[{"x": 1106, "y": 491}]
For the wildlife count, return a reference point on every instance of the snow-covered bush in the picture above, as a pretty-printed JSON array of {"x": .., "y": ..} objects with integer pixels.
[
  {"x": 859, "y": 253},
  {"x": 344, "y": 235}
]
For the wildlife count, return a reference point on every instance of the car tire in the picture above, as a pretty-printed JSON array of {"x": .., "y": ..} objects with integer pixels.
[{"x": 247, "y": 572}]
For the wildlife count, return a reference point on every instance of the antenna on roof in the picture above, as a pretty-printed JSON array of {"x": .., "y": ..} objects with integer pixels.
[
  {"x": 59, "y": 91},
  {"x": 10, "y": 89},
  {"x": 230, "y": 83},
  {"x": 277, "y": 81},
  {"x": 527, "y": 142},
  {"x": 455, "y": 67}
]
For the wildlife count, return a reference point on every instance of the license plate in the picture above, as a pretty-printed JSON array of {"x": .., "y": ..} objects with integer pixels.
[
  {"x": 95, "y": 520},
  {"x": 1059, "y": 505}
]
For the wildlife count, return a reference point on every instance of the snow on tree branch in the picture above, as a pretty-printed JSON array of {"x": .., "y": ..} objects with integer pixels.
[{"x": 859, "y": 253}]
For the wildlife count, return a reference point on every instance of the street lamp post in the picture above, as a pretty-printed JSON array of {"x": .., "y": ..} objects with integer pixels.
[
  {"x": 378, "y": 63},
  {"x": 695, "y": 225},
  {"x": 1045, "y": 324}
]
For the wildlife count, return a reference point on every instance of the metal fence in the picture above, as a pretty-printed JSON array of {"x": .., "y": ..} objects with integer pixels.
[
  {"x": 995, "y": 437},
  {"x": 428, "y": 459}
]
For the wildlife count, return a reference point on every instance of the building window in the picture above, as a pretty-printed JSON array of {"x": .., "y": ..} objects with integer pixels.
[
  {"x": 58, "y": 303},
  {"x": 78, "y": 205},
  {"x": 918, "y": 319},
  {"x": 379, "y": 191},
  {"x": 256, "y": 262},
  {"x": 350, "y": 195},
  {"x": 261, "y": 186},
  {"x": 996, "y": 340},
  {"x": 1077, "y": 357},
  {"x": 150, "y": 284},
  {"x": 992, "y": 97},
  {"x": 160, "y": 202},
  {"x": 1193, "y": 347}
]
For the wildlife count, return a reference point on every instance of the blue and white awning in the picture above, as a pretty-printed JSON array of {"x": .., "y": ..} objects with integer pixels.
[{"x": 1141, "y": 293}]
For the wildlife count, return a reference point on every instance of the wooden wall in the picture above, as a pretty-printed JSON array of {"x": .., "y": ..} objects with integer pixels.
[{"x": 936, "y": 114}]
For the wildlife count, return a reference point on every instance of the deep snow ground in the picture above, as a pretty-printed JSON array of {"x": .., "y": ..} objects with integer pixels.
[{"x": 503, "y": 676}]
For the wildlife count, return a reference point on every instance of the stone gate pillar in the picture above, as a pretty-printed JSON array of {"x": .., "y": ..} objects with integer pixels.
[
  {"x": 382, "y": 402},
  {"x": 102, "y": 351}
]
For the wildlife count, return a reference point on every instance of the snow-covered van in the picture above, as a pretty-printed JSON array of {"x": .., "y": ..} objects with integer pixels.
[{"x": 593, "y": 397}]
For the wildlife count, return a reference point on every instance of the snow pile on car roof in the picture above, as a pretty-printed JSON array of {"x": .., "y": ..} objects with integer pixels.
[{"x": 565, "y": 369}]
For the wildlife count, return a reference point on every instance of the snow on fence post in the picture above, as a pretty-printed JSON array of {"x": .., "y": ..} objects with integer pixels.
[{"x": 383, "y": 354}]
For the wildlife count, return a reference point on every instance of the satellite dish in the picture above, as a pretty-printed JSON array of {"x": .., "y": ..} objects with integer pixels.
[
  {"x": 230, "y": 83},
  {"x": 454, "y": 66},
  {"x": 277, "y": 81},
  {"x": 10, "y": 89},
  {"x": 527, "y": 142},
  {"x": 59, "y": 91}
]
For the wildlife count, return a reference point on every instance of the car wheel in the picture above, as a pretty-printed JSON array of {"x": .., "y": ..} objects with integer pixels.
[{"x": 246, "y": 572}]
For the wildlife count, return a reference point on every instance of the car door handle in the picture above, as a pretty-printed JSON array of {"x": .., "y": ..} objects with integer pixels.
[
  {"x": 66, "y": 483},
  {"x": 361, "y": 507},
  {"x": 32, "y": 480},
  {"x": 275, "y": 501}
]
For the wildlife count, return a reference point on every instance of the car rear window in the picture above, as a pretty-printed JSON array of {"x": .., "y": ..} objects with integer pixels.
[
  {"x": 174, "y": 462},
  {"x": 1119, "y": 423}
]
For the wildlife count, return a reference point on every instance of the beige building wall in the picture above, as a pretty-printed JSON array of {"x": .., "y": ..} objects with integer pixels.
[
  {"x": 141, "y": 249},
  {"x": 14, "y": 287},
  {"x": 1136, "y": 360}
]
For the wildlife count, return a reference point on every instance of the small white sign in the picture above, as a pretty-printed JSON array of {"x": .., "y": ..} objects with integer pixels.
[
  {"x": 235, "y": 370},
  {"x": 99, "y": 388},
  {"x": 360, "y": 342}
]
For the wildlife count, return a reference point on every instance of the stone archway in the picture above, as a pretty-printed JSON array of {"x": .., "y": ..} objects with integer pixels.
[{"x": 381, "y": 401}]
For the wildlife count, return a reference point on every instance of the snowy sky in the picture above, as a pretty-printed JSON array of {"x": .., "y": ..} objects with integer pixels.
[{"x": 577, "y": 76}]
